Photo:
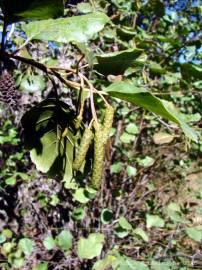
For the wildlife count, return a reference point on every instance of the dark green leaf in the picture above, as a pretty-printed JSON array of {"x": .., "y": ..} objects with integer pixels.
[
  {"x": 49, "y": 129},
  {"x": 143, "y": 98},
  {"x": 117, "y": 62},
  {"x": 18, "y": 10}
]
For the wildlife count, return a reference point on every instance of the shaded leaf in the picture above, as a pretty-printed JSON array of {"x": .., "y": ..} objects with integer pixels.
[
  {"x": 117, "y": 62},
  {"x": 48, "y": 129},
  {"x": 15, "y": 10}
]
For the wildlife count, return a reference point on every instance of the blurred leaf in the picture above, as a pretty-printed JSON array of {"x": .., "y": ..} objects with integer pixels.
[
  {"x": 84, "y": 8},
  {"x": 125, "y": 224},
  {"x": 75, "y": 29},
  {"x": 140, "y": 232},
  {"x": 78, "y": 213},
  {"x": 32, "y": 83},
  {"x": 120, "y": 232},
  {"x": 145, "y": 162},
  {"x": 154, "y": 221},
  {"x": 194, "y": 234},
  {"x": 2, "y": 238},
  {"x": 91, "y": 247},
  {"x": 49, "y": 243},
  {"x": 104, "y": 263},
  {"x": 64, "y": 240},
  {"x": 162, "y": 138},
  {"x": 117, "y": 62},
  {"x": 191, "y": 71},
  {"x": 135, "y": 265},
  {"x": 127, "y": 138},
  {"x": 81, "y": 195},
  {"x": 143, "y": 98},
  {"x": 41, "y": 266},
  {"x": 132, "y": 128},
  {"x": 15, "y": 10},
  {"x": 131, "y": 171},
  {"x": 106, "y": 216},
  {"x": 26, "y": 245},
  {"x": 156, "y": 69},
  {"x": 116, "y": 167},
  {"x": 167, "y": 265}
]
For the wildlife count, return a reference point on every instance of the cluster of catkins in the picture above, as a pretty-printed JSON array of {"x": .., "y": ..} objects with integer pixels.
[
  {"x": 9, "y": 94},
  {"x": 100, "y": 137}
]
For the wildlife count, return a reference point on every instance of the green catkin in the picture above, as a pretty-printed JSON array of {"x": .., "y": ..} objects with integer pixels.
[
  {"x": 98, "y": 164},
  {"x": 83, "y": 149},
  {"x": 108, "y": 121}
]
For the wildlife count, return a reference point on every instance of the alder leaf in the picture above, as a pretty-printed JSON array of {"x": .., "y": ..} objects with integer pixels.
[{"x": 77, "y": 29}]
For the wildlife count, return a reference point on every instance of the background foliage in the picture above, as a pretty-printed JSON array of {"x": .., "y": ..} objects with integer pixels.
[{"x": 145, "y": 58}]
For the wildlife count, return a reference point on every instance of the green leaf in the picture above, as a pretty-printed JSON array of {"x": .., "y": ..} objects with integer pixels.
[
  {"x": 190, "y": 71},
  {"x": 74, "y": 29},
  {"x": 81, "y": 196},
  {"x": 116, "y": 168},
  {"x": 105, "y": 263},
  {"x": 175, "y": 214},
  {"x": 132, "y": 128},
  {"x": 41, "y": 266},
  {"x": 125, "y": 224},
  {"x": 91, "y": 247},
  {"x": 64, "y": 240},
  {"x": 194, "y": 234},
  {"x": 143, "y": 98},
  {"x": 51, "y": 151},
  {"x": 117, "y": 62},
  {"x": 156, "y": 69},
  {"x": 154, "y": 221},
  {"x": 131, "y": 171},
  {"x": 106, "y": 216},
  {"x": 127, "y": 138},
  {"x": 135, "y": 265},
  {"x": 84, "y": 8},
  {"x": 78, "y": 213},
  {"x": 11, "y": 181},
  {"x": 49, "y": 243},
  {"x": 26, "y": 245},
  {"x": 145, "y": 162},
  {"x": 120, "y": 232},
  {"x": 140, "y": 232},
  {"x": 2, "y": 238},
  {"x": 15, "y": 10},
  {"x": 167, "y": 265},
  {"x": 32, "y": 83}
]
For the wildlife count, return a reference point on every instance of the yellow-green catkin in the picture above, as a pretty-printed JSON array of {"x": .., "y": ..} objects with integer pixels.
[
  {"x": 98, "y": 164},
  {"x": 108, "y": 121},
  {"x": 83, "y": 149}
]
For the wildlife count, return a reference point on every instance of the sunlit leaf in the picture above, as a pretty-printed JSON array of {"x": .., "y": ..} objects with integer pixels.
[{"x": 75, "y": 29}]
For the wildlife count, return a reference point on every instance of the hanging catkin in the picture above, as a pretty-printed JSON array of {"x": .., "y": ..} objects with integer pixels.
[
  {"x": 98, "y": 164},
  {"x": 83, "y": 149},
  {"x": 108, "y": 121},
  {"x": 8, "y": 91}
]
